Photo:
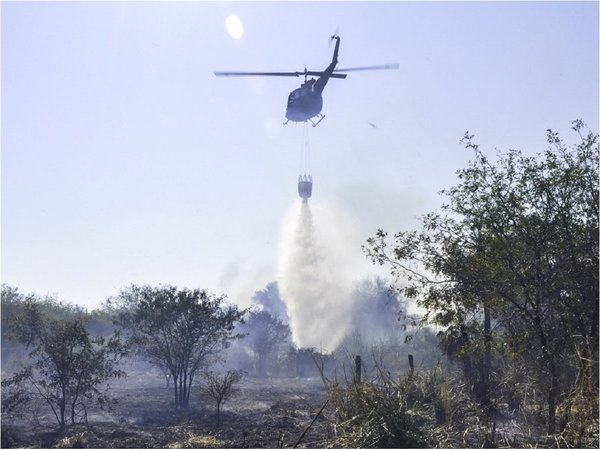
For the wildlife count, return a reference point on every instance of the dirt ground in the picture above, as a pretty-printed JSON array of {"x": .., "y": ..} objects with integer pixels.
[{"x": 264, "y": 413}]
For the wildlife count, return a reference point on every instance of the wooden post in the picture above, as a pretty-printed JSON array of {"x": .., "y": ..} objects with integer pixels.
[
  {"x": 357, "y": 369},
  {"x": 411, "y": 363}
]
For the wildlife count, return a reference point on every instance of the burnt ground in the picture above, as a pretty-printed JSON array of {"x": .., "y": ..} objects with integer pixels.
[{"x": 264, "y": 413}]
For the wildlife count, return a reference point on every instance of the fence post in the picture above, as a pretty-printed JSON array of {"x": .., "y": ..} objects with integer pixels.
[{"x": 357, "y": 369}]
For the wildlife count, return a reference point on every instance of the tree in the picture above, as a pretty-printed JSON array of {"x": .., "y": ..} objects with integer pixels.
[
  {"x": 181, "y": 331},
  {"x": 69, "y": 365},
  {"x": 15, "y": 395},
  {"x": 377, "y": 309},
  {"x": 269, "y": 300},
  {"x": 220, "y": 387},
  {"x": 518, "y": 244},
  {"x": 263, "y": 333},
  {"x": 14, "y": 352}
]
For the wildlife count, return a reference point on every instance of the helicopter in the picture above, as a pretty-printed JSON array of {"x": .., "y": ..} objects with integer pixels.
[{"x": 306, "y": 102}]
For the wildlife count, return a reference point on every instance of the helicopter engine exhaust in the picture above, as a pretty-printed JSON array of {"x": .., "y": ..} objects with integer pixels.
[{"x": 305, "y": 187}]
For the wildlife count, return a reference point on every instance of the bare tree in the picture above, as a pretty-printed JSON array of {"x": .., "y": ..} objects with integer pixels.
[{"x": 220, "y": 387}]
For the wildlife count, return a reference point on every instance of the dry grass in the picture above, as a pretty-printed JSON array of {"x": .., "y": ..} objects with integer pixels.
[
  {"x": 579, "y": 411},
  {"x": 200, "y": 441},
  {"x": 77, "y": 440},
  {"x": 427, "y": 409},
  {"x": 433, "y": 409}
]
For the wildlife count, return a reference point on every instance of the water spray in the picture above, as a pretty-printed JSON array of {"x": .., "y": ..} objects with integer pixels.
[
  {"x": 313, "y": 267},
  {"x": 308, "y": 286}
]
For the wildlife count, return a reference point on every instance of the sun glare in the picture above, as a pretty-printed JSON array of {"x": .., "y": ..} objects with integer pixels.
[{"x": 234, "y": 26}]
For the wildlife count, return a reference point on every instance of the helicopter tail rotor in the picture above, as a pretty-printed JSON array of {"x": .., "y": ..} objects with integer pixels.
[{"x": 334, "y": 35}]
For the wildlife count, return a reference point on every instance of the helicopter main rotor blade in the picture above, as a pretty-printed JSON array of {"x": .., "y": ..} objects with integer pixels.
[
  {"x": 318, "y": 74},
  {"x": 268, "y": 74},
  {"x": 379, "y": 67},
  {"x": 277, "y": 74}
]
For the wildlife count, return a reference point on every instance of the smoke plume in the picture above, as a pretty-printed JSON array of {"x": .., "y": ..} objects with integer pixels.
[{"x": 312, "y": 280}]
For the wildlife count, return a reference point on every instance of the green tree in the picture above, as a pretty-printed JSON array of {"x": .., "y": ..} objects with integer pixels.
[
  {"x": 377, "y": 310},
  {"x": 268, "y": 299},
  {"x": 69, "y": 365},
  {"x": 181, "y": 331},
  {"x": 263, "y": 333},
  {"x": 14, "y": 353},
  {"x": 516, "y": 243}
]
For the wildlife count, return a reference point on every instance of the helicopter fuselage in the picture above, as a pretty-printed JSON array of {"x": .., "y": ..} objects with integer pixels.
[{"x": 304, "y": 103}]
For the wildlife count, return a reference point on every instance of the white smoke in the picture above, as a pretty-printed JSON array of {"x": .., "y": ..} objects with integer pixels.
[{"x": 314, "y": 275}]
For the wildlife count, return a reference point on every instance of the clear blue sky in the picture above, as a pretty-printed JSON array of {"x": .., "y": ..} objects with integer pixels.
[{"x": 125, "y": 160}]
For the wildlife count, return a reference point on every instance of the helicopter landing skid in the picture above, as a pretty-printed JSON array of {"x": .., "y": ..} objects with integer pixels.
[
  {"x": 286, "y": 122},
  {"x": 321, "y": 117}
]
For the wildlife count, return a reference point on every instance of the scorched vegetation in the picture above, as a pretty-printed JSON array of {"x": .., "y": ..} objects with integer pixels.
[{"x": 505, "y": 354}]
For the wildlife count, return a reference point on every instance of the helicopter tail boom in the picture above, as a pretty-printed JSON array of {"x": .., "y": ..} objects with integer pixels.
[
  {"x": 334, "y": 60},
  {"x": 328, "y": 73}
]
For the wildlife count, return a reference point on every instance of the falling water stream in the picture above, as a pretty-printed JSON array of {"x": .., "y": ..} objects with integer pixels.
[{"x": 311, "y": 283}]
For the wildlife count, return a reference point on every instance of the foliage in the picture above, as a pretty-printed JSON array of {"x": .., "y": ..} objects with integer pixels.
[
  {"x": 180, "y": 330},
  {"x": 13, "y": 306},
  {"x": 263, "y": 333},
  {"x": 15, "y": 395},
  {"x": 269, "y": 300},
  {"x": 416, "y": 410},
  {"x": 220, "y": 387},
  {"x": 370, "y": 418},
  {"x": 517, "y": 244},
  {"x": 421, "y": 409},
  {"x": 377, "y": 309},
  {"x": 382, "y": 328},
  {"x": 69, "y": 365}
]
